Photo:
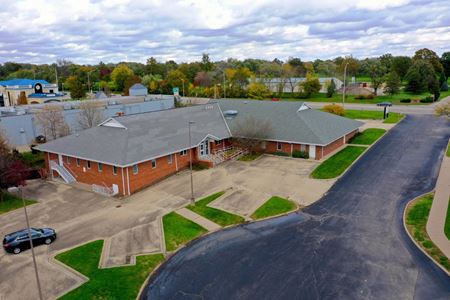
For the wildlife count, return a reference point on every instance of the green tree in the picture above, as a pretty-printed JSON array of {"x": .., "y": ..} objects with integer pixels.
[
  {"x": 331, "y": 89},
  {"x": 421, "y": 77},
  {"x": 376, "y": 72},
  {"x": 258, "y": 90},
  {"x": 431, "y": 57},
  {"x": 445, "y": 61},
  {"x": 310, "y": 86},
  {"x": 76, "y": 87},
  {"x": 176, "y": 78},
  {"x": 352, "y": 67},
  {"x": 206, "y": 64},
  {"x": 120, "y": 75},
  {"x": 400, "y": 65},
  {"x": 393, "y": 83}
]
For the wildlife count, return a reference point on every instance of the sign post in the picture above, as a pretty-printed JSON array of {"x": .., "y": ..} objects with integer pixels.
[{"x": 176, "y": 91}]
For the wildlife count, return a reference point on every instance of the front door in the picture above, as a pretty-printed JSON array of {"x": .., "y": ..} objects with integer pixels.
[
  {"x": 204, "y": 148},
  {"x": 312, "y": 151}
]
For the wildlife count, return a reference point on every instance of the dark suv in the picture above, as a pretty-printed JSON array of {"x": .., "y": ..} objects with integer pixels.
[{"x": 18, "y": 241}]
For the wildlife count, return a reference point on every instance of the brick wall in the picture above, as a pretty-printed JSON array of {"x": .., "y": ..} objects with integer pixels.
[
  {"x": 350, "y": 135},
  {"x": 333, "y": 146}
]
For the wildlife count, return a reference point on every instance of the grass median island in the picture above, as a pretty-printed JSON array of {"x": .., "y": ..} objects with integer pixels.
[
  {"x": 416, "y": 219},
  {"x": 272, "y": 207},
  {"x": 110, "y": 283},
  {"x": 373, "y": 115},
  {"x": 447, "y": 221},
  {"x": 367, "y": 137},
  {"x": 178, "y": 230},
  {"x": 216, "y": 215},
  {"x": 11, "y": 202},
  {"x": 338, "y": 163},
  {"x": 448, "y": 150},
  {"x": 249, "y": 157}
]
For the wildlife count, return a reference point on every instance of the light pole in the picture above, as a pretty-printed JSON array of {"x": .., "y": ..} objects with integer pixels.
[
  {"x": 343, "y": 90},
  {"x": 19, "y": 192},
  {"x": 190, "y": 162}
]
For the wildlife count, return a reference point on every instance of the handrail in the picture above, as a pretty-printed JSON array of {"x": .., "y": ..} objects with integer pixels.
[{"x": 70, "y": 170}]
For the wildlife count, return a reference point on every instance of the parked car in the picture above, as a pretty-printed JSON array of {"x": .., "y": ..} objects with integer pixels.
[{"x": 18, "y": 241}]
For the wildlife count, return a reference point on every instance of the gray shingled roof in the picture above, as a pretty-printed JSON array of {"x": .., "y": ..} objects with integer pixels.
[
  {"x": 307, "y": 126},
  {"x": 147, "y": 136}
]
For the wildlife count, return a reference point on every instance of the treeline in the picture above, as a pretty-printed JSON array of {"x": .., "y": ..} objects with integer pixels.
[{"x": 424, "y": 72}]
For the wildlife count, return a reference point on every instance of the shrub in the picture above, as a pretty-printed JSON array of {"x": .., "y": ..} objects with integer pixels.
[
  {"x": 334, "y": 109},
  {"x": 280, "y": 153},
  {"x": 198, "y": 166},
  {"x": 359, "y": 97},
  {"x": 405, "y": 100},
  {"x": 426, "y": 100},
  {"x": 300, "y": 154},
  {"x": 370, "y": 96},
  {"x": 427, "y": 244}
]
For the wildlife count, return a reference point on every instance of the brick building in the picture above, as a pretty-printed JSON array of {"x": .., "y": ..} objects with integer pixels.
[{"x": 126, "y": 154}]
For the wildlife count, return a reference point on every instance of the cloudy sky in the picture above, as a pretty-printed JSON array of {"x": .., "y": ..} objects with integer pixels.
[{"x": 89, "y": 31}]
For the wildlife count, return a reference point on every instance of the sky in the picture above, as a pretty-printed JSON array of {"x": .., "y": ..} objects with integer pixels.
[{"x": 90, "y": 31}]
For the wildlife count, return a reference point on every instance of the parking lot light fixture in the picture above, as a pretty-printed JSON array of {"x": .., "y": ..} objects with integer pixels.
[{"x": 19, "y": 192}]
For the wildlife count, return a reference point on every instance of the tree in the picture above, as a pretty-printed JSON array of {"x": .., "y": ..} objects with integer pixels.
[
  {"x": 76, "y": 88},
  {"x": 202, "y": 79},
  {"x": 400, "y": 65},
  {"x": 326, "y": 68},
  {"x": 334, "y": 109},
  {"x": 288, "y": 74},
  {"x": 258, "y": 90},
  {"x": 376, "y": 73},
  {"x": 177, "y": 79},
  {"x": 310, "y": 86},
  {"x": 91, "y": 114},
  {"x": 393, "y": 83},
  {"x": 352, "y": 67},
  {"x": 386, "y": 61},
  {"x": 51, "y": 120},
  {"x": 420, "y": 77},
  {"x": 431, "y": 57},
  {"x": 120, "y": 75},
  {"x": 331, "y": 88},
  {"x": 443, "y": 110},
  {"x": 250, "y": 132},
  {"x": 206, "y": 64},
  {"x": 445, "y": 61}
]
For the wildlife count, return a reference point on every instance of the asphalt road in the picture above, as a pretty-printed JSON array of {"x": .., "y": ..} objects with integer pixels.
[{"x": 349, "y": 245}]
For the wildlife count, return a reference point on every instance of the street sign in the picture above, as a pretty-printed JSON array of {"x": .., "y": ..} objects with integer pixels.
[{"x": 176, "y": 91}]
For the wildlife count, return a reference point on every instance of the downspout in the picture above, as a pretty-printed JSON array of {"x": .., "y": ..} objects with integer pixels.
[
  {"x": 176, "y": 162},
  {"x": 292, "y": 149},
  {"x": 128, "y": 183},
  {"x": 123, "y": 182}
]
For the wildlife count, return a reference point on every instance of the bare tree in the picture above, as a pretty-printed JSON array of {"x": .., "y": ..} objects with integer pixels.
[
  {"x": 91, "y": 114},
  {"x": 51, "y": 119},
  {"x": 250, "y": 132}
]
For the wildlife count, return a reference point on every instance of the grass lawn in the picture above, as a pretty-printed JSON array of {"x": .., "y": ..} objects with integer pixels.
[
  {"x": 448, "y": 150},
  {"x": 338, "y": 163},
  {"x": 111, "y": 283},
  {"x": 12, "y": 202},
  {"x": 249, "y": 157},
  {"x": 416, "y": 219},
  {"x": 216, "y": 215},
  {"x": 272, "y": 207},
  {"x": 447, "y": 221},
  {"x": 373, "y": 115},
  {"x": 178, "y": 230},
  {"x": 368, "y": 136}
]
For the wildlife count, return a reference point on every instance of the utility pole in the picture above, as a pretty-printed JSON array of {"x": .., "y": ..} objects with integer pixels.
[
  {"x": 190, "y": 163},
  {"x": 19, "y": 191},
  {"x": 343, "y": 90}
]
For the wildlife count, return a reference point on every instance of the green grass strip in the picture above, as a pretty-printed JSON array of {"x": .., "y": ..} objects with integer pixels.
[
  {"x": 110, "y": 283},
  {"x": 216, "y": 215},
  {"x": 368, "y": 136},
  {"x": 272, "y": 207},
  {"x": 179, "y": 230},
  {"x": 338, "y": 163},
  {"x": 11, "y": 202}
]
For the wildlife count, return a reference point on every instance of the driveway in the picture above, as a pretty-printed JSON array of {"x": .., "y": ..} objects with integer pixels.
[{"x": 349, "y": 245}]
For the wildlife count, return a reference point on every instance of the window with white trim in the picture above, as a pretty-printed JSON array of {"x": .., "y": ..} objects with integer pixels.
[
  {"x": 114, "y": 170},
  {"x": 88, "y": 164},
  {"x": 279, "y": 146},
  {"x": 78, "y": 162},
  {"x": 169, "y": 159},
  {"x": 135, "y": 169},
  {"x": 68, "y": 159},
  {"x": 153, "y": 163},
  {"x": 183, "y": 153},
  {"x": 100, "y": 167},
  {"x": 218, "y": 143}
]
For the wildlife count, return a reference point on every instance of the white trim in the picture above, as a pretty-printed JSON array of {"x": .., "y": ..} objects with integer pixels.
[
  {"x": 123, "y": 182},
  {"x": 128, "y": 182},
  {"x": 225, "y": 121}
]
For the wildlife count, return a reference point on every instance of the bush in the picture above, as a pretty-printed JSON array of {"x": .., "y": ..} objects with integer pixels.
[
  {"x": 280, "y": 153},
  {"x": 426, "y": 100},
  {"x": 198, "y": 166},
  {"x": 405, "y": 100},
  {"x": 300, "y": 154},
  {"x": 370, "y": 96},
  {"x": 427, "y": 244},
  {"x": 359, "y": 97},
  {"x": 334, "y": 109}
]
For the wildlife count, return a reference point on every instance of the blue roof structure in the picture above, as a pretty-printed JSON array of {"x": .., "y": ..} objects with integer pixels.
[{"x": 22, "y": 82}]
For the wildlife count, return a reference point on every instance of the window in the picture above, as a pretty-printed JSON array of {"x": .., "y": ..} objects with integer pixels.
[
  {"x": 100, "y": 167},
  {"x": 183, "y": 153},
  {"x": 153, "y": 163},
  {"x": 169, "y": 159},
  {"x": 78, "y": 162},
  {"x": 218, "y": 143},
  {"x": 114, "y": 170},
  {"x": 135, "y": 169},
  {"x": 279, "y": 146},
  {"x": 88, "y": 164},
  {"x": 68, "y": 159}
]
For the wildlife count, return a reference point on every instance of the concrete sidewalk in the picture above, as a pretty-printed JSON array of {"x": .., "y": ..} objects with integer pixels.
[
  {"x": 200, "y": 220},
  {"x": 438, "y": 212}
]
